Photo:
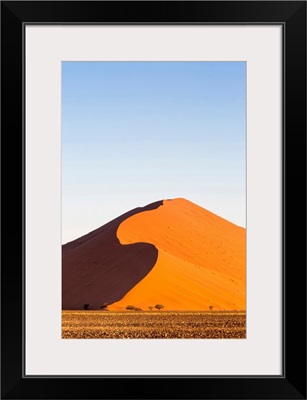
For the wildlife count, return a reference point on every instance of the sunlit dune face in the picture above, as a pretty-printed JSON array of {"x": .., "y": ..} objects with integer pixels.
[{"x": 201, "y": 259}]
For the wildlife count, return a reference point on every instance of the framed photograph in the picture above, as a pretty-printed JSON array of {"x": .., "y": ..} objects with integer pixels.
[
  {"x": 170, "y": 268},
  {"x": 153, "y": 200}
]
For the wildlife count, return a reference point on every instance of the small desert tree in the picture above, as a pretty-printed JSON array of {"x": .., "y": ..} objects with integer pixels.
[
  {"x": 151, "y": 307},
  {"x": 85, "y": 306},
  {"x": 133, "y": 308},
  {"x": 159, "y": 306},
  {"x": 211, "y": 308}
]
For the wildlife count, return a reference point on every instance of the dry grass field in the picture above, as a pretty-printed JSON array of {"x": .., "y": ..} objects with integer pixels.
[{"x": 153, "y": 325}]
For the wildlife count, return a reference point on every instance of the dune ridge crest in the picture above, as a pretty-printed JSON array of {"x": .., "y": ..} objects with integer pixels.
[{"x": 98, "y": 270}]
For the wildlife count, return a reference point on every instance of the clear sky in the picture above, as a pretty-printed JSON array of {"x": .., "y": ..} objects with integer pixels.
[{"x": 137, "y": 132}]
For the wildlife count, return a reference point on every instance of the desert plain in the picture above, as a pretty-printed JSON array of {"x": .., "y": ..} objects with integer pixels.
[{"x": 153, "y": 325}]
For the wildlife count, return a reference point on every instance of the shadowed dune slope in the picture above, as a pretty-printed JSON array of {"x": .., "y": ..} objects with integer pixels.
[
  {"x": 97, "y": 269},
  {"x": 201, "y": 260}
]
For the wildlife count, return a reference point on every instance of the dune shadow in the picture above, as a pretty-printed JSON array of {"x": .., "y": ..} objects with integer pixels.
[{"x": 97, "y": 269}]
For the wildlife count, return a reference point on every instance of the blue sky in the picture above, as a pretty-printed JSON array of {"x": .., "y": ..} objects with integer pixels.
[{"x": 137, "y": 132}]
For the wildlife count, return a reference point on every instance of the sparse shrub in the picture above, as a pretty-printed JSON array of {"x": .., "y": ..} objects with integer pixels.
[
  {"x": 211, "y": 308},
  {"x": 86, "y": 306},
  {"x": 159, "y": 306},
  {"x": 133, "y": 308}
]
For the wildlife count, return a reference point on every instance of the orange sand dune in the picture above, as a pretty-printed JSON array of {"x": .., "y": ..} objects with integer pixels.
[
  {"x": 201, "y": 259},
  {"x": 98, "y": 270}
]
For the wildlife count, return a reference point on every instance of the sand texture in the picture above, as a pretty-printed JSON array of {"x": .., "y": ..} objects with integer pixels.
[{"x": 153, "y": 325}]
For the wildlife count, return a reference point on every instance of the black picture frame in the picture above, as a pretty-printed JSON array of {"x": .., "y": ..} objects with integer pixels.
[{"x": 292, "y": 16}]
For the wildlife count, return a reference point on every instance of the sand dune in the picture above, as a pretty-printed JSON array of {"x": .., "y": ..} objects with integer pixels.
[
  {"x": 173, "y": 253},
  {"x": 201, "y": 259},
  {"x": 97, "y": 269}
]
